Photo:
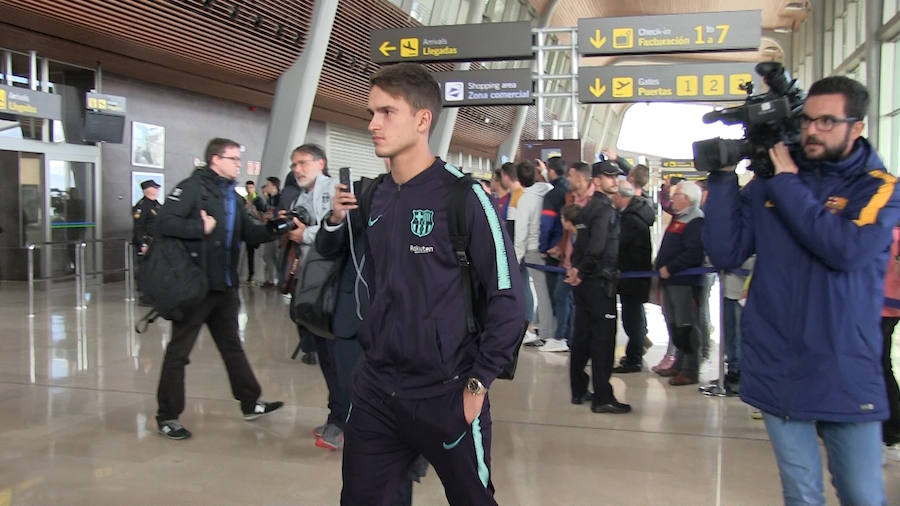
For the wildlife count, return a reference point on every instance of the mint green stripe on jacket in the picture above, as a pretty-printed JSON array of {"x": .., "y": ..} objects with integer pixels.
[
  {"x": 483, "y": 472},
  {"x": 503, "y": 280}
]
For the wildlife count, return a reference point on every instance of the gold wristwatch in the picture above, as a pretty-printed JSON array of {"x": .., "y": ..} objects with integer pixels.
[{"x": 476, "y": 387}]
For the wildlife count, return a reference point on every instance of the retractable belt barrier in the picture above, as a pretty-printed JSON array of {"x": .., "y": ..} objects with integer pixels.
[{"x": 693, "y": 271}]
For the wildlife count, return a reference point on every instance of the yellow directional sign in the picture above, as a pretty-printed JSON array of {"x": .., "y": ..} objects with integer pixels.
[
  {"x": 683, "y": 82},
  {"x": 598, "y": 39},
  {"x": 714, "y": 85},
  {"x": 409, "y": 48},
  {"x": 687, "y": 86},
  {"x": 386, "y": 48},
  {"x": 598, "y": 89},
  {"x": 623, "y": 38},
  {"x": 623, "y": 87},
  {"x": 736, "y": 80}
]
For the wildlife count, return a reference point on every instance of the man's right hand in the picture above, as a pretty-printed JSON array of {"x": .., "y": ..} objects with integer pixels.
[
  {"x": 342, "y": 202},
  {"x": 296, "y": 235},
  {"x": 209, "y": 223}
]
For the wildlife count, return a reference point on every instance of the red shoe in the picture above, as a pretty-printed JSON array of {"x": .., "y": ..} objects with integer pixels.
[{"x": 665, "y": 363}]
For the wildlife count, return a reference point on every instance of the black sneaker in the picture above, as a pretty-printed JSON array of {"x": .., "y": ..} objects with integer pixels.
[
  {"x": 309, "y": 358},
  {"x": 626, "y": 368},
  {"x": 173, "y": 429},
  {"x": 260, "y": 408}
]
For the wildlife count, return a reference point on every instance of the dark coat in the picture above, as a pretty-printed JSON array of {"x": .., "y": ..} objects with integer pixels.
[
  {"x": 180, "y": 217},
  {"x": 635, "y": 249},
  {"x": 144, "y": 213}
]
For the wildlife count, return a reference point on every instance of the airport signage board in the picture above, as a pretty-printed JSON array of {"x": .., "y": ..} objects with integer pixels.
[
  {"x": 665, "y": 83},
  {"x": 482, "y": 41},
  {"x": 108, "y": 104},
  {"x": 25, "y": 102},
  {"x": 670, "y": 33},
  {"x": 486, "y": 87},
  {"x": 676, "y": 163}
]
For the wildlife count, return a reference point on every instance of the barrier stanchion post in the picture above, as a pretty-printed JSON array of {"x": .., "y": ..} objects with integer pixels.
[
  {"x": 718, "y": 388},
  {"x": 129, "y": 272},
  {"x": 31, "y": 280},
  {"x": 83, "y": 298},
  {"x": 77, "y": 276}
]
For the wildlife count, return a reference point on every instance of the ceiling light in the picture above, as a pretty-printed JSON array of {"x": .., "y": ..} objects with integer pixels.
[
  {"x": 782, "y": 29},
  {"x": 795, "y": 6},
  {"x": 771, "y": 50}
]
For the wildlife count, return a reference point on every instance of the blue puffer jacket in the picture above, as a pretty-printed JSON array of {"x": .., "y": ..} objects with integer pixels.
[{"x": 811, "y": 337}]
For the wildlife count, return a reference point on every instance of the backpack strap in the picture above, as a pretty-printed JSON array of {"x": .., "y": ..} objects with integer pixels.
[
  {"x": 366, "y": 194},
  {"x": 459, "y": 238}
]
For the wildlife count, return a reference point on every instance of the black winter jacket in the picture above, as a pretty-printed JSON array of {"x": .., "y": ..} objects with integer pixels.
[
  {"x": 180, "y": 217},
  {"x": 596, "y": 248},
  {"x": 635, "y": 249}
]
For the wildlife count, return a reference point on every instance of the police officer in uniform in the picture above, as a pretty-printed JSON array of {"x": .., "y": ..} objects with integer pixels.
[
  {"x": 144, "y": 213},
  {"x": 594, "y": 276}
]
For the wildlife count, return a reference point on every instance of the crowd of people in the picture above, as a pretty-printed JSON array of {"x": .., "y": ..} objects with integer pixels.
[{"x": 423, "y": 324}]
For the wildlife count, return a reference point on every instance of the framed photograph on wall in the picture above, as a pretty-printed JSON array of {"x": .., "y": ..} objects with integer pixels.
[
  {"x": 139, "y": 177},
  {"x": 148, "y": 145}
]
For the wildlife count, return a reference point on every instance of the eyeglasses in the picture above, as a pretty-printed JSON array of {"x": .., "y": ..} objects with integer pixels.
[
  {"x": 232, "y": 158},
  {"x": 824, "y": 123},
  {"x": 301, "y": 163}
]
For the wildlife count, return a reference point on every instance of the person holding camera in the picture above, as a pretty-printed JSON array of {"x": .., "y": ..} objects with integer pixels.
[
  {"x": 311, "y": 203},
  {"x": 207, "y": 214},
  {"x": 811, "y": 349}
]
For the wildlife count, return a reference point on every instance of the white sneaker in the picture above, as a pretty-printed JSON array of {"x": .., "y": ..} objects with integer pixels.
[
  {"x": 554, "y": 345},
  {"x": 530, "y": 337}
]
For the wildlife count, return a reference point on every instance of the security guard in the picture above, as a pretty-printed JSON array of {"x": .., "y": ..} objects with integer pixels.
[{"x": 144, "y": 213}]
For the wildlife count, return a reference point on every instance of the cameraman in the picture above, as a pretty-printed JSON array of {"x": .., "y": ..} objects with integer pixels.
[{"x": 811, "y": 351}]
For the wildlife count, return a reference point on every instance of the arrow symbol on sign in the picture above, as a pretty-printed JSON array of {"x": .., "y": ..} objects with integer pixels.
[
  {"x": 386, "y": 48},
  {"x": 598, "y": 88},
  {"x": 598, "y": 40}
]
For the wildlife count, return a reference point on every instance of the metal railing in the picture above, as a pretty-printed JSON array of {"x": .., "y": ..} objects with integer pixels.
[{"x": 81, "y": 273}]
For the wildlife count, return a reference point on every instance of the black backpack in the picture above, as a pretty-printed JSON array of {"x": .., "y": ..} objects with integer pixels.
[
  {"x": 475, "y": 296},
  {"x": 171, "y": 280}
]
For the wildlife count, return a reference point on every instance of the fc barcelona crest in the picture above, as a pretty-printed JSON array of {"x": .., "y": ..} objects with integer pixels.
[{"x": 422, "y": 222}]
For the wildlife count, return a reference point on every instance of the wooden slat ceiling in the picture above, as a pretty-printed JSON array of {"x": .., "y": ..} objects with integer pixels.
[{"x": 236, "y": 49}]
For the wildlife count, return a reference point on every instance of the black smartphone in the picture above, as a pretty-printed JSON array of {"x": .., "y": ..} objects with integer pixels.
[{"x": 345, "y": 178}]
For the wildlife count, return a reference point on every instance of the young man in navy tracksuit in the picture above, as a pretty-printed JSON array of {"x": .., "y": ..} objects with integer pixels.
[{"x": 421, "y": 387}]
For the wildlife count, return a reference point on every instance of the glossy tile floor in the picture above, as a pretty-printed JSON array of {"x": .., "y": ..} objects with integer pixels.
[{"x": 77, "y": 389}]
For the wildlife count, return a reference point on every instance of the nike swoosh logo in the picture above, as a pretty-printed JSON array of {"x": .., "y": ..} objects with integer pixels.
[
  {"x": 453, "y": 444},
  {"x": 374, "y": 220}
]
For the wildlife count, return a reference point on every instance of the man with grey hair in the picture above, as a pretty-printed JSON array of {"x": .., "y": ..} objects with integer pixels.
[
  {"x": 635, "y": 252},
  {"x": 681, "y": 249}
]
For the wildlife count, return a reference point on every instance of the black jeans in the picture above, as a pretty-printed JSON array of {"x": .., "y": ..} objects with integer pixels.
[
  {"x": 634, "y": 322},
  {"x": 595, "y": 338},
  {"x": 219, "y": 312},
  {"x": 891, "y": 427}
]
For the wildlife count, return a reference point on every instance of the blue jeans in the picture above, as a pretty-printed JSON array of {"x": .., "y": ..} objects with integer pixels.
[
  {"x": 527, "y": 294},
  {"x": 854, "y": 460},
  {"x": 563, "y": 305},
  {"x": 732, "y": 332}
]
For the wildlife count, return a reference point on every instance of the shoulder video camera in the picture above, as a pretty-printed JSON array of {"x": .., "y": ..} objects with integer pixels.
[{"x": 767, "y": 118}]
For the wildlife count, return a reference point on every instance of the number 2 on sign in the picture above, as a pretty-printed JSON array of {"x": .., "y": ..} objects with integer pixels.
[{"x": 723, "y": 32}]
